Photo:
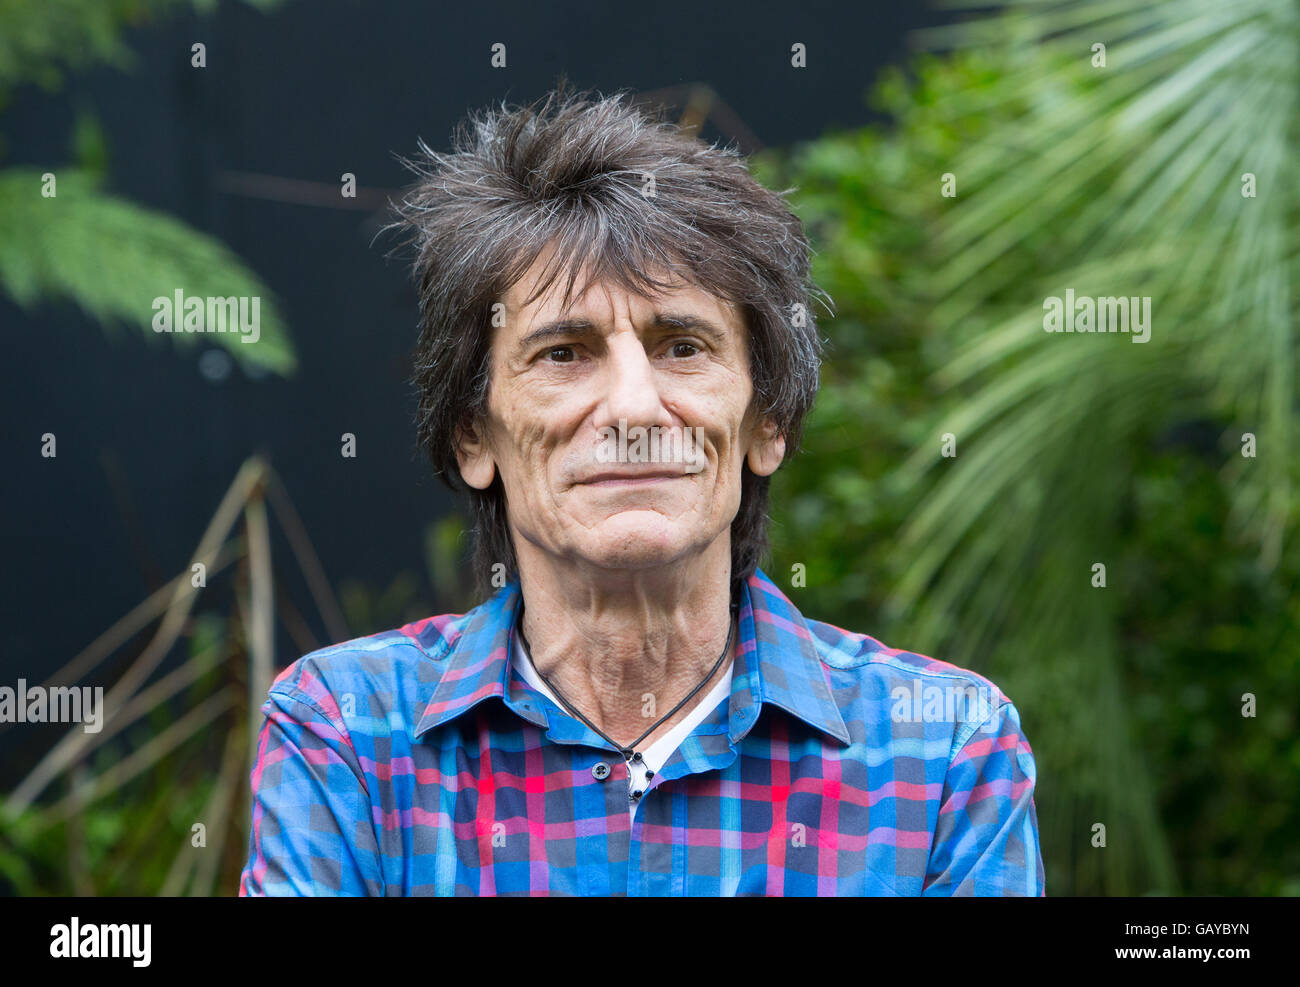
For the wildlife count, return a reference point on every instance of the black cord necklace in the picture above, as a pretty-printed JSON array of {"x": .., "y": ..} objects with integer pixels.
[{"x": 630, "y": 753}]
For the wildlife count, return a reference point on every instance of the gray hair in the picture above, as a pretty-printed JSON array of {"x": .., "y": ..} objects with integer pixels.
[{"x": 571, "y": 171}]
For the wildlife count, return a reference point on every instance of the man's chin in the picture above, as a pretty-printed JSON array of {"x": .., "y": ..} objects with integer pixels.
[{"x": 644, "y": 540}]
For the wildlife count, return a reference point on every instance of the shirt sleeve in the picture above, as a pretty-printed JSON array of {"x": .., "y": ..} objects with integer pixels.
[
  {"x": 986, "y": 839},
  {"x": 312, "y": 830}
]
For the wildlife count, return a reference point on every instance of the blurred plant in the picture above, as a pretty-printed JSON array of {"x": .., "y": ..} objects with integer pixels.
[
  {"x": 446, "y": 555},
  {"x": 371, "y": 611},
  {"x": 174, "y": 749},
  {"x": 108, "y": 256},
  {"x": 447, "y": 569},
  {"x": 1122, "y": 179}
]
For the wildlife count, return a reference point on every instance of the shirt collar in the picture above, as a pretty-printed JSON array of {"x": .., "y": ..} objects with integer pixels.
[{"x": 776, "y": 663}]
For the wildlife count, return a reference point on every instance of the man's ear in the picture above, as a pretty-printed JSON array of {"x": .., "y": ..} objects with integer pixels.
[
  {"x": 477, "y": 467},
  {"x": 766, "y": 449}
]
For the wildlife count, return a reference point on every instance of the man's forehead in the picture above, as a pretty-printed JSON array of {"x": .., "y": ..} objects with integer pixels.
[{"x": 591, "y": 299}]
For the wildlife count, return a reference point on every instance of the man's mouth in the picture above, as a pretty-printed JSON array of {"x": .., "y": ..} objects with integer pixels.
[{"x": 612, "y": 478}]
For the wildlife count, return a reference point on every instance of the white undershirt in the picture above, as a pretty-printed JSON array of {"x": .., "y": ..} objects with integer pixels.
[{"x": 656, "y": 755}]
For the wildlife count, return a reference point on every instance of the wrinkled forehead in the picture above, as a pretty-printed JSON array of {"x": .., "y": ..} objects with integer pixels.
[{"x": 552, "y": 286}]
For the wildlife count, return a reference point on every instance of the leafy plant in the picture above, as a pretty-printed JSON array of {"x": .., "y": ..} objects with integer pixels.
[
  {"x": 78, "y": 241},
  {"x": 1072, "y": 450}
]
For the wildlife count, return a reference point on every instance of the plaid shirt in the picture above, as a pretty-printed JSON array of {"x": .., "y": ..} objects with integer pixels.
[{"x": 417, "y": 762}]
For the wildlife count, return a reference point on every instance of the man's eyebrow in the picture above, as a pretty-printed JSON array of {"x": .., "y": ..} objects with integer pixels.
[
  {"x": 572, "y": 328},
  {"x": 560, "y": 327},
  {"x": 684, "y": 320}
]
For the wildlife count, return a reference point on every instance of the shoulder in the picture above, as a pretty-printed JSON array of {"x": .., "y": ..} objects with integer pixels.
[
  {"x": 889, "y": 697},
  {"x": 371, "y": 674},
  {"x": 911, "y": 695},
  {"x": 870, "y": 658},
  {"x": 913, "y": 692}
]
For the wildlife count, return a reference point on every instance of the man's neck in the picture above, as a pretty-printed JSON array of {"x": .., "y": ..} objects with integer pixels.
[{"x": 625, "y": 647}]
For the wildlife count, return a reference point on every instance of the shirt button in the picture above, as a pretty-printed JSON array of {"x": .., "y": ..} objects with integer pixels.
[{"x": 600, "y": 770}]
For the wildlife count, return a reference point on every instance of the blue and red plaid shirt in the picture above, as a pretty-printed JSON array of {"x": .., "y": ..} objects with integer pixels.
[{"x": 418, "y": 762}]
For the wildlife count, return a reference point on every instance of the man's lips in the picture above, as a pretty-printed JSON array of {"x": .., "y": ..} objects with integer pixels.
[{"x": 613, "y": 478}]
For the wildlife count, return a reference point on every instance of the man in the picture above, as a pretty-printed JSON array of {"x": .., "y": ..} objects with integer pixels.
[{"x": 616, "y": 353}]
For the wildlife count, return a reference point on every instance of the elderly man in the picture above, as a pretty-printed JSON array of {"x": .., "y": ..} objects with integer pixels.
[{"x": 617, "y": 351}]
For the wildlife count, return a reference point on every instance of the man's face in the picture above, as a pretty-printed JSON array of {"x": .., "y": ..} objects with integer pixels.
[{"x": 574, "y": 389}]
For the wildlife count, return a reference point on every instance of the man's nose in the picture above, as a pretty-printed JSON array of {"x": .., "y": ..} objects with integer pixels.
[{"x": 633, "y": 388}]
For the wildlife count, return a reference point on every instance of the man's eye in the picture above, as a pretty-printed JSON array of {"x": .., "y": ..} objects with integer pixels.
[
  {"x": 560, "y": 354},
  {"x": 684, "y": 349}
]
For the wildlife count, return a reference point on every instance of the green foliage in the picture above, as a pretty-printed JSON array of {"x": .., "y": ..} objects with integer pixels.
[
  {"x": 370, "y": 611},
  {"x": 109, "y": 257},
  {"x": 113, "y": 258},
  {"x": 1073, "y": 450},
  {"x": 446, "y": 555},
  {"x": 448, "y": 574},
  {"x": 40, "y": 42},
  {"x": 123, "y": 845}
]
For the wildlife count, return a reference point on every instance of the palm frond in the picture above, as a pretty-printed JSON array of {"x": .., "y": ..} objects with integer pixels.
[{"x": 113, "y": 259}]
